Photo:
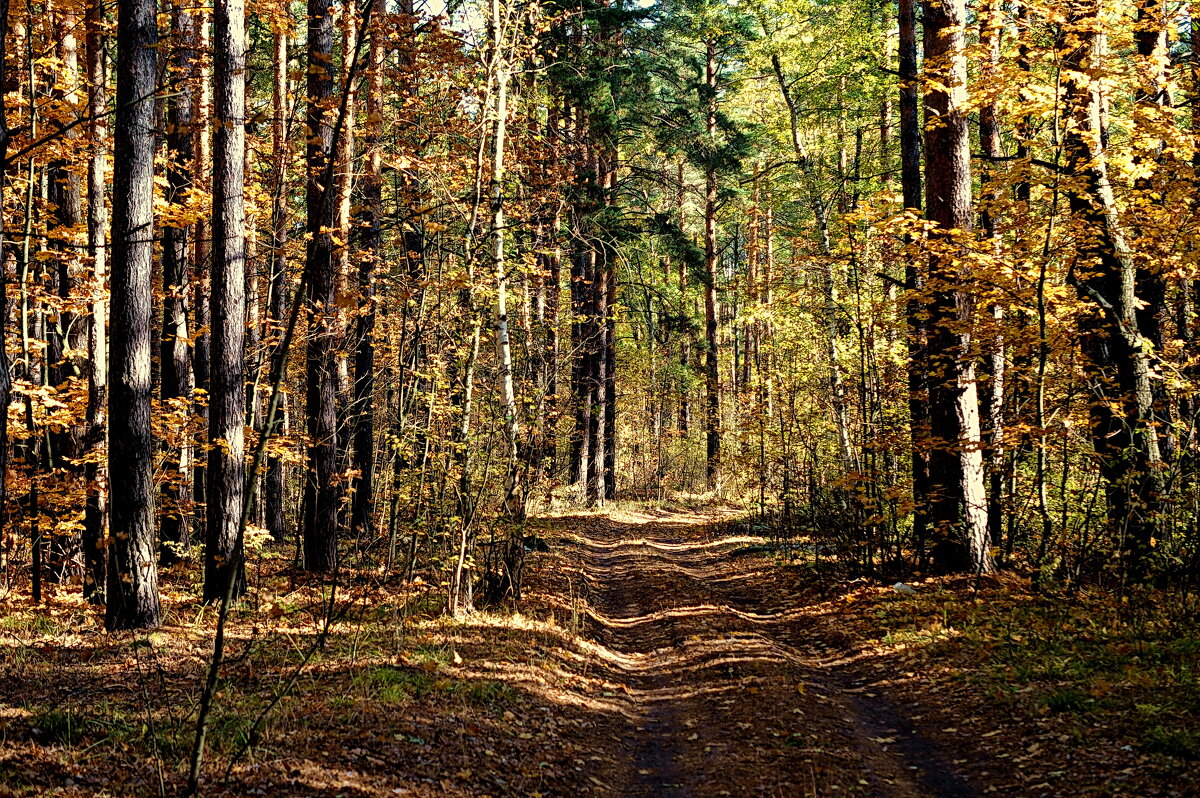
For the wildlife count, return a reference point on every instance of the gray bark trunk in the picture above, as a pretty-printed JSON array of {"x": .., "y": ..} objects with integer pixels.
[
  {"x": 133, "y": 600},
  {"x": 227, "y": 302}
]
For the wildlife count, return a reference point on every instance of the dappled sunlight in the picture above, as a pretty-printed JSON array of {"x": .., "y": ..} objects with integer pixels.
[
  {"x": 643, "y": 654},
  {"x": 699, "y": 613}
]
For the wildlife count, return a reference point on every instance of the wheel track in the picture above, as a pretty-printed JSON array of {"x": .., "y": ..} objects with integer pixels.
[{"x": 713, "y": 676}]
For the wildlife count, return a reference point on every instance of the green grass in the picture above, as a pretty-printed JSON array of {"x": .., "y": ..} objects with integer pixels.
[
  {"x": 1053, "y": 655},
  {"x": 1174, "y": 742},
  {"x": 394, "y": 685}
]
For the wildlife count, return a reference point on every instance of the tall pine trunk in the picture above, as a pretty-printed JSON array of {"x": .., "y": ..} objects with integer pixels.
[
  {"x": 227, "y": 413},
  {"x": 514, "y": 500},
  {"x": 368, "y": 259},
  {"x": 991, "y": 398},
  {"x": 274, "y": 488},
  {"x": 175, "y": 364},
  {"x": 321, "y": 491},
  {"x": 97, "y": 346},
  {"x": 712, "y": 376},
  {"x": 910, "y": 182},
  {"x": 958, "y": 506},
  {"x": 65, "y": 336},
  {"x": 202, "y": 258},
  {"x": 133, "y": 600},
  {"x": 5, "y": 379}
]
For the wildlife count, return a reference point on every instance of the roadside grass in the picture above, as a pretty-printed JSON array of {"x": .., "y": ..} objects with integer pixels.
[{"x": 1083, "y": 657}]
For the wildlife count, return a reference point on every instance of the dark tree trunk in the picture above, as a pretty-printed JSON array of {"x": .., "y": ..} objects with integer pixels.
[
  {"x": 910, "y": 181},
  {"x": 364, "y": 357},
  {"x": 685, "y": 351},
  {"x": 175, "y": 361},
  {"x": 64, "y": 337},
  {"x": 97, "y": 219},
  {"x": 581, "y": 256},
  {"x": 610, "y": 381},
  {"x": 1105, "y": 276},
  {"x": 274, "y": 495},
  {"x": 597, "y": 372},
  {"x": 5, "y": 378},
  {"x": 133, "y": 601},
  {"x": 712, "y": 375},
  {"x": 320, "y": 489},
  {"x": 958, "y": 506},
  {"x": 1152, "y": 97},
  {"x": 223, "y": 558}
]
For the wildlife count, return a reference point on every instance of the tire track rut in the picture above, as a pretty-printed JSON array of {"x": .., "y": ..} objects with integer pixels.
[{"x": 728, "y": 695}]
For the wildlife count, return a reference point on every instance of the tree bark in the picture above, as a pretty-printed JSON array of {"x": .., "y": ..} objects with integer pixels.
[
  {"x": 958, "y": 501},
  {"x": 910, "y": 182},
  {"x": 133, "y": 600},
  {"x": 64, "y": 337},
  {"x": 202, "y": 261},
  {"x": 175, "y": 363},
  {"x": 321, "y": 493},
  {"x": 712, "y": 375},
  {"x": 5, "y": 378},
  {"x": 514, "y": 502},
  {"x": 1105, "y": 277},
  {"x": 364, "y": 357},
  {"x": 97, "y": 369},
  {"x": 991, "y": 399},
  {"x": 274, "y": 487},
  {"x": 223, "y": 560}
]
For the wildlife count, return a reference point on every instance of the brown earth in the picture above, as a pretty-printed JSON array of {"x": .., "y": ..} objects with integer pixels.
[{"x": 654, "y": 654}]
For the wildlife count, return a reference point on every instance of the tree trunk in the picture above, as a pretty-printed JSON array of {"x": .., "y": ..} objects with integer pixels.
[
  {"x": 959, "y": 504},
  {"x": 344, "y": 187},
  {"x": 321, "y": 493},
  {"x": 685, "y": 367},
  {"x": 991, "y": 399},
  {"x": 97, "y": 335},
  {"x": 1150, "y": 114},
  {"x": 1105, "y": 276},
  {"x": 5, "y": 379},
  {"x": 175, "y": 365},
  {"x": 202, "y": 263},
  {"x": 223, "y": 560},
  {"x": 274, "y": 487},
  {"x": 597, "y": 372},
  {"x": 133, "y": 601},
  {"x": 610, "y": 366},
  {"x": 910, "y": 181},
  {"x": 712, "y": 376},
  {"x": 64, "y": 336},
  {"x": 514, "y": 504},
  {"x": 364, "y": 356}
]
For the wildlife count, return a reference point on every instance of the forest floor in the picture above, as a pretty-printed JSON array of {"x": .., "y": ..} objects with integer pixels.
[{"x": 656, "y": 653}]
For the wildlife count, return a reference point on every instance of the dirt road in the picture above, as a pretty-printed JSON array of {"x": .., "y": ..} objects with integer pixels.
[{"x": 729, "y": 691}]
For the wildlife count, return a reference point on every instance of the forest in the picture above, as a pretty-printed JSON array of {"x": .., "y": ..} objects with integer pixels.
[{"x": 623, "y": 397}]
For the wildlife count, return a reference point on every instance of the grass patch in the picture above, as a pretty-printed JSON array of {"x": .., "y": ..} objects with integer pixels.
[
  {"x": 395, "y": 685},
  {"x": 1058, "y": 655},
  {"x": 1174, "y": 742}
]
